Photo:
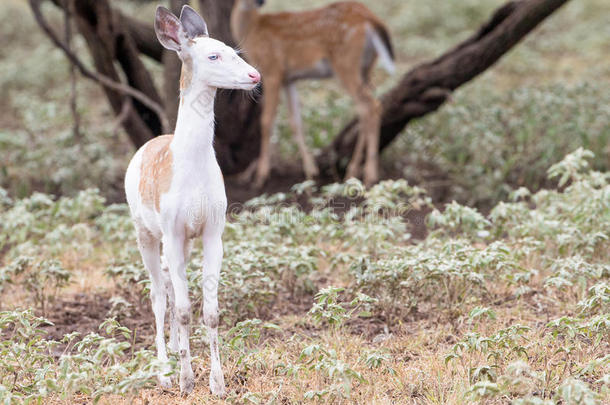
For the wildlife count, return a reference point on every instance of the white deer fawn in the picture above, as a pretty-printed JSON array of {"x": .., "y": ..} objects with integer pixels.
[
  {"x": 343, "y": 39},
  {"x": 175, "y": 190}
]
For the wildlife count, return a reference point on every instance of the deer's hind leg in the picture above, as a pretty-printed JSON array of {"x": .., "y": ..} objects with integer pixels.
[
  {"x": 296, "y": 121},
  {"x": 355, "y": 80},
  {"x": 149, "y": 249}
]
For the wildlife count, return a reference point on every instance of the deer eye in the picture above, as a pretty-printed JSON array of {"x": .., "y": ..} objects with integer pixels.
[{"x": 213, "y": 57}]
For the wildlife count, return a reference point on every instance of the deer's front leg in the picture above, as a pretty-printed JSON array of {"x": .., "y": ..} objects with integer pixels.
[
  {"x": 174, "y": 248},
  {"x": 171, "y": 305},
  {"x": 212, "y": 260}
]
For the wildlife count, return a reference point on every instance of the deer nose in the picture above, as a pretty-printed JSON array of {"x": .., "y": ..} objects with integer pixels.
[{"x": 255, "y": 76}]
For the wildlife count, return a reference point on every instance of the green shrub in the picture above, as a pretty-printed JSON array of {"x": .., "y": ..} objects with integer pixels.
[{"x": 482, "y": 149}]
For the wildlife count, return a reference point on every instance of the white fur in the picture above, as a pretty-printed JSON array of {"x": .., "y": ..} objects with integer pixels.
[
  {"x": 382, "y": 51},
  {"x": 194, "y": 206}
]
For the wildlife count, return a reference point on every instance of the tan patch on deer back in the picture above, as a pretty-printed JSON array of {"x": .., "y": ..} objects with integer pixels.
[
  {"x": 186, "y": 76},
  {"x": 156, "y": 171}
]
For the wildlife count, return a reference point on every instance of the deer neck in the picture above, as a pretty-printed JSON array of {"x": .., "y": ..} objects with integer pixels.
[
  {"x": 194, "y": 136},
  {"x": 243, "y": 19}
]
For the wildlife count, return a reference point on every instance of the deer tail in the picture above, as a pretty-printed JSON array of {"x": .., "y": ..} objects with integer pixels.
[{"x": 380, "y": 38}]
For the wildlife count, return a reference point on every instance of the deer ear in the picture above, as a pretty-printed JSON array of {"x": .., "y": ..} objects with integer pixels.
[
  {"x": 193, "y": 23},
  {"x": 169, "y": 29}
]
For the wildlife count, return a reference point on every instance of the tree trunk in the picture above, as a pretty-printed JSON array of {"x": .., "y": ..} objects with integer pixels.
[
  {"x": 143, "y": 35},
  {"x": 108, "y": 42},
  {"x": 425, "y": 88}
]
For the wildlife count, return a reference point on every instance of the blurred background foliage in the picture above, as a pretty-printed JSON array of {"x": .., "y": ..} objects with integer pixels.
[{"x": 544, "y": 99}]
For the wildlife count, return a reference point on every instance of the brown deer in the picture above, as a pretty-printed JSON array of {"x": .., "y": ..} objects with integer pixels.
[{"x": 342, "y": 39}]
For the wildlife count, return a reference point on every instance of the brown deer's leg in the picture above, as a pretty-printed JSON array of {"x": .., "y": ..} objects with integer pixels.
[
  {"x": 348, "y": 70},
  {"x": 371, "y": 164},
  {"x": 369, "y": 112},
  {"x": 270, "y": 102},
  {"x": 354, "y": 168},
  {"x": 309, "y": 164},
  {"x": 374, "y": 110}
]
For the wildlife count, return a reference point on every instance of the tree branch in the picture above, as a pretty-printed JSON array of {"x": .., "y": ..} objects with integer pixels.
[
  {"x": 143, "y": 36},
  {"x": 68, "y": 12},
  {"x": 122, "y": 117},
  {"x": 101, "y": 79}
]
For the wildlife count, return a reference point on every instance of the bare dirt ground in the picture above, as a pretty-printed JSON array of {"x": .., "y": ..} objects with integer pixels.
[
  {"x": 83, "y": 313},
  {"x": 416, "y": 341}
]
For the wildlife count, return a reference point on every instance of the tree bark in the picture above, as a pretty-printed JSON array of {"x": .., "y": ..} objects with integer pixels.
[
  {"x": 109, "y": 42},
  {"x": 97, "y": 24},
  {"x": 143, "y": 35},
  {"x": 425, "y": 88}
]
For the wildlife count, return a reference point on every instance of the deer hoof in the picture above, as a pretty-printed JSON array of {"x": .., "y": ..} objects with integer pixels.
[
  {"x": 311, "y": 171},
  {"x": 217, "y": 385},
  {"x": 246, "y": 176},
  {"x": 164, "y": 381},
  {"x": 187, "y": 383},
  {"x": 353, "y": 171},
  {"x": 370, "y": 176},
  {"x": 259, "y": 182}
]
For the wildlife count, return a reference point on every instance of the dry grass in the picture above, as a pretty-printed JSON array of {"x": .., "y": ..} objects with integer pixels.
[{"x": 416, "y": 372}]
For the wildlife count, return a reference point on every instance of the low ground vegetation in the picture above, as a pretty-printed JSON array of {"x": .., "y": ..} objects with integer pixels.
[{"x": 331, "y": 305}]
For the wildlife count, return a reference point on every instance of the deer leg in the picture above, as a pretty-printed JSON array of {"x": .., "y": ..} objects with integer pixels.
[
  {"x": 353, "y": 70},
  {"x": 371, "y": 132},
  {"x": 171, "y": 301},
  {"x": 149, "y": 249},
  {"x": 247, "y": 175},
  {"x": 354, "y": 166},
  {"x": 174, "y": 250},
  {"x": 270, "y": 102},
  {"x": 369, "y": 113},
  {"x": 366, "y": 109},
  {"x": 174, "y": 327},
  {"x": 212, "y": 261},
  {"x": 370, "y": 135},
  {"x": 309, "y": 164}
]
